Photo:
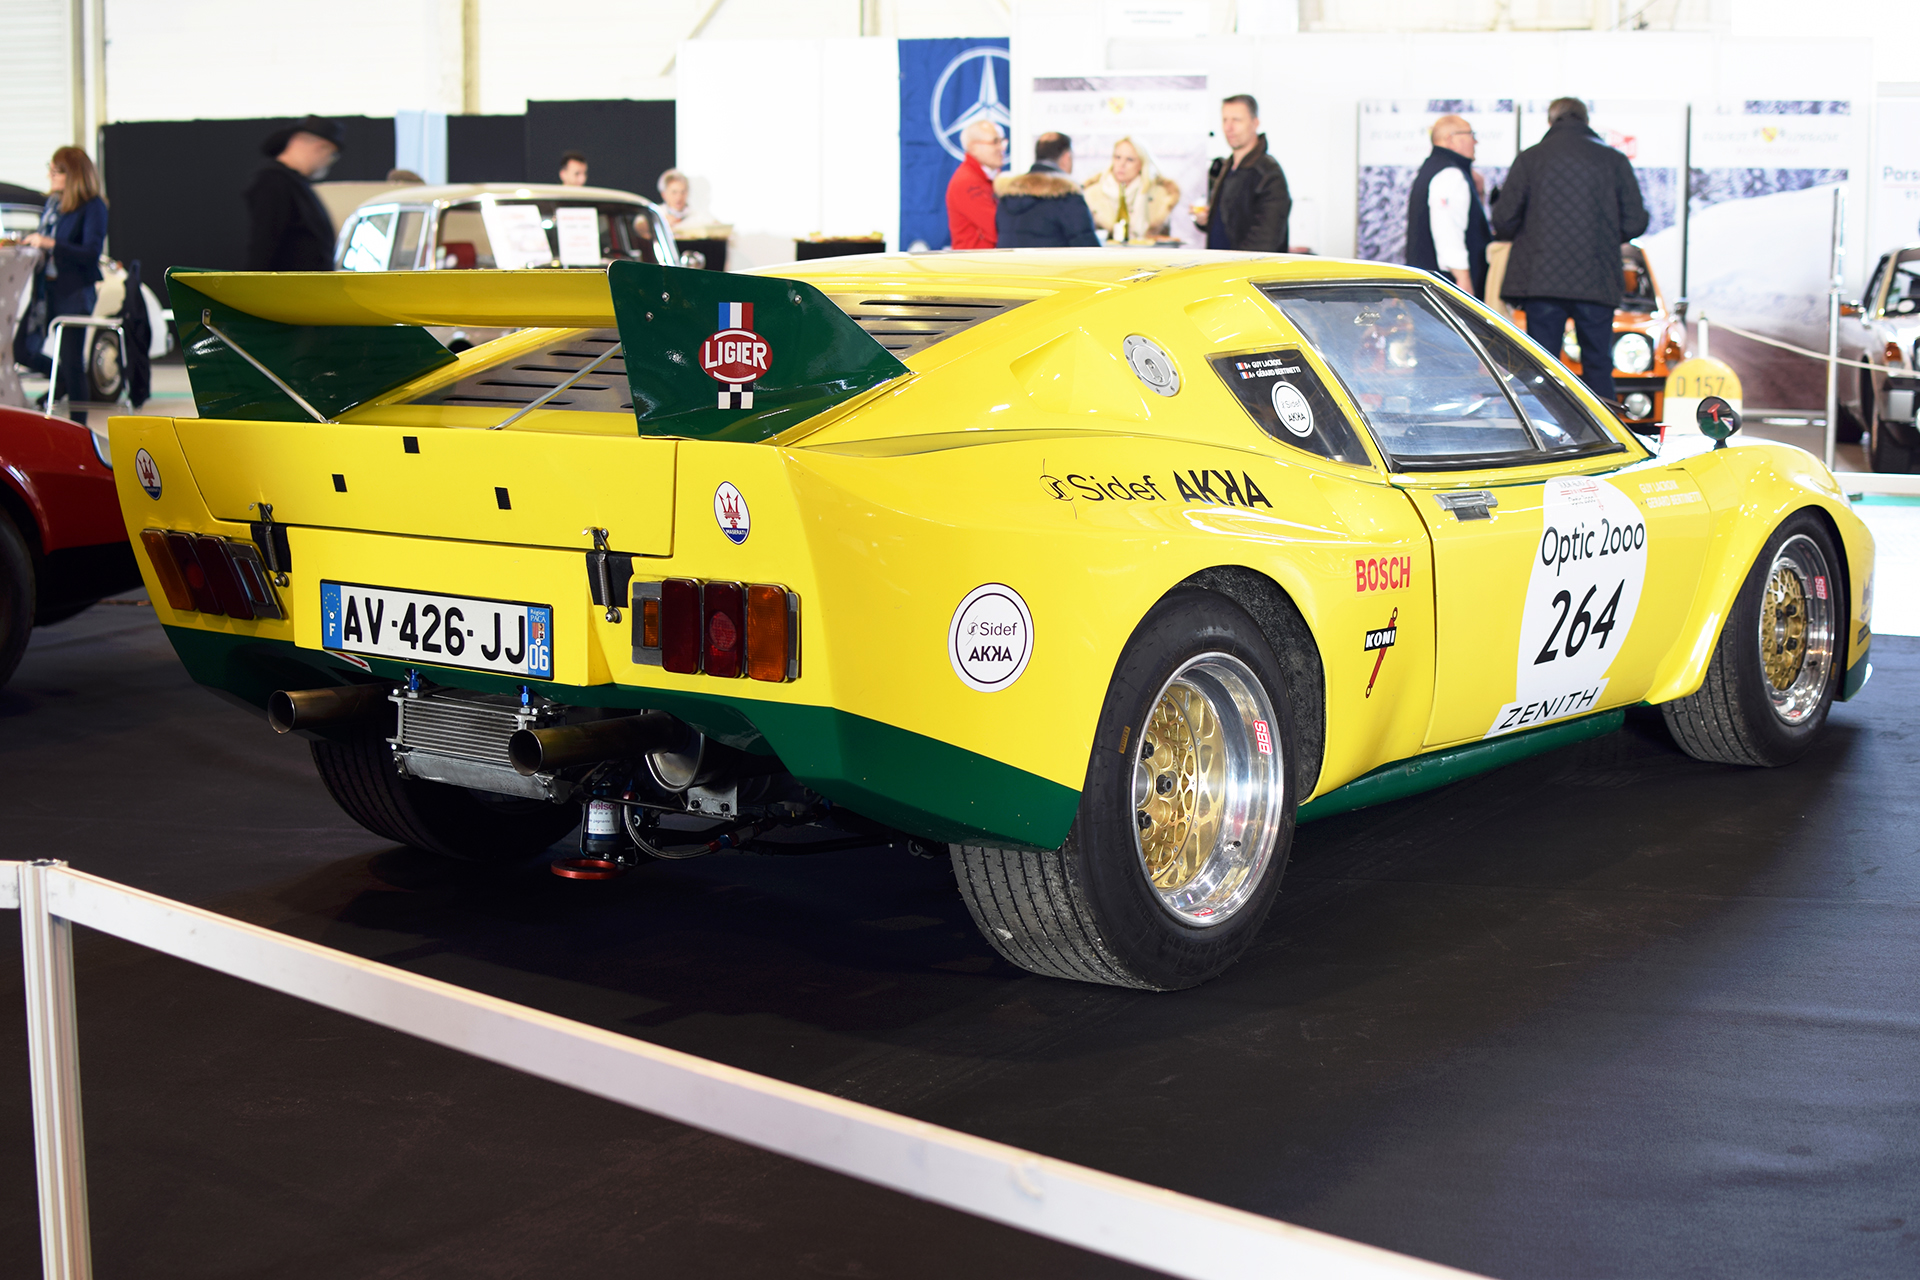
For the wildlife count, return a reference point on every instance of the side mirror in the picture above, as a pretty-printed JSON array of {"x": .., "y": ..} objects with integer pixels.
[{"x": 1717, "y": 420}]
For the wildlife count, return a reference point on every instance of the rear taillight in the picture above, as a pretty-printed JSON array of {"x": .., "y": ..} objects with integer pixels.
[
  {"x": 171, "y": 583},
  {"x": 769, "y": 631},
  {"x": 180, "y": 546},
  {"x": 724, "y": 607},
  {"x": 203, "y": 573},
  {"x": 680, "y": 625},
  {"x": 723, "y": 629}
]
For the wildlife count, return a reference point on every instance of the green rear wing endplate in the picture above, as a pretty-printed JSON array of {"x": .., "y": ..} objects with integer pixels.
[{"x": 338, "y": 339}]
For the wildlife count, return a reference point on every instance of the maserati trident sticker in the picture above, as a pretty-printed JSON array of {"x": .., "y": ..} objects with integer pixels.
[
  {"x": 730, "y": 513},
  {"x": 736, "y": 357},
  {"x": 147, "y": 472},
  {"x": 990, "y": 638}
]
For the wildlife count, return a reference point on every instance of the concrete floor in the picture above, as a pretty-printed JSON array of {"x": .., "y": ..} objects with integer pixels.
[{"x": 1610, "y": 1012}]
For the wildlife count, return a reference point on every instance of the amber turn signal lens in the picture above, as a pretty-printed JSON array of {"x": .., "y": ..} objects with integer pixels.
[
  {"x": 649, "y": 622},
  {"x": 1892, "y": 354},
  {"x": 171, "y": 583},
  {"x": 769, "y": 634}
]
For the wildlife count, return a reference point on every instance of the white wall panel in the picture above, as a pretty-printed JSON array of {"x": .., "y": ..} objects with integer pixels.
[
  {"x": 783, "y": 138},
  {"x": 213, "y": 59},
  {"x": 36, "y": 95}
]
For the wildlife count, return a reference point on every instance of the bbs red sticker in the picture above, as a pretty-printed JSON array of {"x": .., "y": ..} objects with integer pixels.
[{"x": 1262, "y": 738}]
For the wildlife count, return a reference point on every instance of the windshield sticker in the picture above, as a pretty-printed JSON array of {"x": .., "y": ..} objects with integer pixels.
[
  {"x": 1282, "y": 393},
  {"x": 1584, "y": 588}
]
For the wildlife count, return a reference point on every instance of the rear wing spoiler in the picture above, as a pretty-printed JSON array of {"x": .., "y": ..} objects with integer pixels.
[{"x": 708, "y": 354}]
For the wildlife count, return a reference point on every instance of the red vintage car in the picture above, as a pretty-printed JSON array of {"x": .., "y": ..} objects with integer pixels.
[{"x": 62, "y": 543}]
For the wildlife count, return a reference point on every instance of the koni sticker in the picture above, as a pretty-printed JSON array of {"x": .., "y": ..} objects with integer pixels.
[
  {"x": 147, "y": 472},
  {"x": 731, "y": 514},
  {"x": 1378, "y": 642},
  {"x": 735, "y": 356},
  {"x": 990, "y": 638},
  {"x": 1582, "y": 593}
]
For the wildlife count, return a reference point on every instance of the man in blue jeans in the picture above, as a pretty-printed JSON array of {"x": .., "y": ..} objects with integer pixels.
[{"x": 1569, "y": 203}]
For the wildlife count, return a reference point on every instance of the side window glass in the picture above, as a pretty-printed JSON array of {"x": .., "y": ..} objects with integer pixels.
[
  {"x": 1428, "y": 398},
  {"x": 368, "y": 242},
  {"x": 406, "y": 241},
  {"x": 1281, "y": 392},
  {"x": 1903, "y": 291},
  {"x": 1553, "y": 410}
]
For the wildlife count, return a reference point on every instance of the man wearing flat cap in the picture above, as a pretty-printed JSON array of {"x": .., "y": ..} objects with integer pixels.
[{"x": 291, "y": 229}]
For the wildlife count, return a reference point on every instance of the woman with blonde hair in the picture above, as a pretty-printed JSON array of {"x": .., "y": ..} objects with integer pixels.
[
  {"x": 73, "y": 233},
  {"x": 1150, "y": 197}
]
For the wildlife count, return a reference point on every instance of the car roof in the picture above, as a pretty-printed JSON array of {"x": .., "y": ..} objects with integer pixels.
[{"x": 461, "y": 192}]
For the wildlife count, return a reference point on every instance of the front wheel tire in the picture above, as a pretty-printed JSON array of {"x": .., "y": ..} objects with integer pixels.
[
  {"x": 451, "y": 821},
  {"x": 1184, "y": 824},
  {"x": 1779, "y": 660}
]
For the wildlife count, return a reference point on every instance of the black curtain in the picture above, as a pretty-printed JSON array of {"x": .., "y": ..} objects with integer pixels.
[
  {"x": 487, "y": 149},
  {"x": 627, "y": 143},
  {"x": 175, "y": 187}
]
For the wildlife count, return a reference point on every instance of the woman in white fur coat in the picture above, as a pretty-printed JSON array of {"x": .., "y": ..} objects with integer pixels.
[{"x": 1151, "y": 198}]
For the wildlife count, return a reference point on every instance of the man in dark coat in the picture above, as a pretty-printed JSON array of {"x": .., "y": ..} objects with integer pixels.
[
  {"x": 1043, "y": 207},
  {"x": 1447, "y": 230},
  {"x": 1248, "y": 203},
  {"x": 291, "y": 230},
  {"x": 1568, "y": 204}
]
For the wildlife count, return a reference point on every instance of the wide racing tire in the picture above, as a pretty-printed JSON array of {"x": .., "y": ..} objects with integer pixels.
[
  {"x": 1184, "y": 824},
  {"x": 16, "y": 596},
  {"x": 452, "y": 821},
  {"x": 1779, "y": 660}
]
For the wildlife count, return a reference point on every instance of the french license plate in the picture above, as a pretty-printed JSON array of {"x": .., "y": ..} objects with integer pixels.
[{"x": 507, "y": 636}]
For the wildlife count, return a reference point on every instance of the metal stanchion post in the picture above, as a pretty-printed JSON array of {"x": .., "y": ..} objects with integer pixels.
[
  {"x": 53, "y": 1052},
  {"x": 1835, "y": 260},
  {"x": 1703, "y": 349}
]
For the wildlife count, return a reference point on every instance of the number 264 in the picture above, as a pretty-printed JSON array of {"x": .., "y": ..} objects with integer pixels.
[{"x": 1584, "y": 625}]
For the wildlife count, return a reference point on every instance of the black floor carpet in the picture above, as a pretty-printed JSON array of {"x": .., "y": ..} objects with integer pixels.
[{"x": 1610, "y": 1012}]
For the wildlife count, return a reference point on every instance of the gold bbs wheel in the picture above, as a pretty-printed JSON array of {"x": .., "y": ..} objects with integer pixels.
[
  {"x": 1208, "y": 786},
  {"x": 1796, "y": 629}
]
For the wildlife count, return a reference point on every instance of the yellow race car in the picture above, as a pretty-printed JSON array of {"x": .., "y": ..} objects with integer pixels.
[{"x": 1103, "y": 569}]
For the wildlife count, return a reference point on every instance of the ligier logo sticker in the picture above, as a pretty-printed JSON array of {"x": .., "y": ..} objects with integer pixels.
[
  {"x": 147, "y": 472},
  {"x": 736, "y": 357},
  {"x": 731, "y": 514},
  {"x": 990, "y": 638}
]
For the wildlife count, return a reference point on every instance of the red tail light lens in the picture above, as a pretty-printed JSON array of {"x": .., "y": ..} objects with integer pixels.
[
  {"x": 222, "y": 578},
  {"x": 680, "y": 625},
  {"x": 171, "y": 583},
  {"x": 180, "y": 547},
  {"x": 769, "y": 632},
  {"x": 725, "y": 610}
]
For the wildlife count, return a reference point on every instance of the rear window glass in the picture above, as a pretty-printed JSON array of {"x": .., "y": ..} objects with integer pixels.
[
  {"x": 529, "y": 234},
  {"x": 1430, "y": 398},
  {"x": 1281, "y": 392}
]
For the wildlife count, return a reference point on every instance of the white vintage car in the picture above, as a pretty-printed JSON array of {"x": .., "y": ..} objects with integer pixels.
[{"x": 1883, "y": 330}]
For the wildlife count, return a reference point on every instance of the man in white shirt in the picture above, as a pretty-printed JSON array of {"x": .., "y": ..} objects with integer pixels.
[{"x": 1447, "y": 230}]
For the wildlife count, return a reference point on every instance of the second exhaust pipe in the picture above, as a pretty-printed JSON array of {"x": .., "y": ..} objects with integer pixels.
[{"x": 534, "y": 751}]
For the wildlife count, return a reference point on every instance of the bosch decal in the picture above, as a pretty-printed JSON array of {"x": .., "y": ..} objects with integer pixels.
[
  {"x": 736, "y": 356},
  {"x": 1377, "y": 643},
  {"x": 731, "y": 514},
  {"x": 147, "y": 472},
  {"x": 1383, "y": 573}
]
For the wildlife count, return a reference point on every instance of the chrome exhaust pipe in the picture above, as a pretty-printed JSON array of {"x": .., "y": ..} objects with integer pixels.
[
  {"x": 290, "y": 709},
  {"x": 534, "y": 751}
]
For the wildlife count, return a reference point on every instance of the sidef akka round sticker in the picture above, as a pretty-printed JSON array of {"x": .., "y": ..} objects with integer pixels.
[
  {"x": 147, "y": 472},
  {"x": 730, "y": 513},
  {"x": 1296, "y": 415},
  {"x": 990, "y": 638}
]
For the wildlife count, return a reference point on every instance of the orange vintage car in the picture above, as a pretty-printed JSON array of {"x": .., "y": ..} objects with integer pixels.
[{"x": 1648, "y": 340}]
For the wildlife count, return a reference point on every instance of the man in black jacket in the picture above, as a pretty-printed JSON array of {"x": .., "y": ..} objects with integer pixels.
[
  {"x": 1569, "y": 203},
  {"x": 291, "y": 230},
  {"x": 1247, "y": 199},
  {"x": 1043, "y": 208},
  {"x": 1446, "y": 227}
]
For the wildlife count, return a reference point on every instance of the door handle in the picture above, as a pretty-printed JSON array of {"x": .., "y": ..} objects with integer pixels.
[{"x": 1470, "y": 504}]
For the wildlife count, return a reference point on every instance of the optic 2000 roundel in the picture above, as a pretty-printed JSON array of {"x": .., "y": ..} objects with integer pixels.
[{"x": 990, "y": 638}]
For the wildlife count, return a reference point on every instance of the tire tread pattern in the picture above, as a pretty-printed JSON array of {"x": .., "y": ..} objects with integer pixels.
[{"x": 1029, "y": 906}]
